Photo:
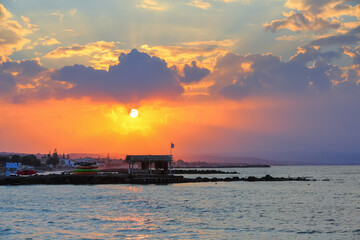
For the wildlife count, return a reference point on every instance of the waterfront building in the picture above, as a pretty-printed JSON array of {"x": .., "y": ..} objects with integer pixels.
[{"x": 161, "y": 163}]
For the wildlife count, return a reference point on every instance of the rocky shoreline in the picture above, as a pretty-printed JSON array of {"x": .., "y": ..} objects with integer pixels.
[
  {"x": 126, "y": 179},
  {"x": 196, "y": 171}
]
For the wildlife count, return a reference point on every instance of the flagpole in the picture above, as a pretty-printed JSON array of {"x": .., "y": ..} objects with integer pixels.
[{"x": 171, "y": 148}]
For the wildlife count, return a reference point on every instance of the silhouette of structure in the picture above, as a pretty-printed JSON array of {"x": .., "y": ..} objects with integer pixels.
[{"x": 162, "y": 164}]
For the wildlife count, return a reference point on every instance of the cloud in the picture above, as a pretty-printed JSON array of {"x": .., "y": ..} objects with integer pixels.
[
  {"x": 309, "y": 71},
  {"x": 354, "y": 54},
  {"x": 350, "y": 37},
  {"x": 72, "y": 11},
  {"x": 59, "y": 15},
  {"x": 7, "y": 83},
  {"x": 151, "y": 5},
  {"x": 200, "y": 4},
  {"x": 12, "y": 34},
  {"x": 47, "y": 41},
  {"x": 137, "y": 77},
  {"x": 193, "y": 73},
  {"x": 205, "y": 53},
  {"x": 99, "y": 55},
  {"x": 286, "y": 38},
  {"x": 301, "y": 22},
  {"x": 26, "y": 80},
  {"x": 29, "y": 25},
  {"x": 316, "y": 16}
]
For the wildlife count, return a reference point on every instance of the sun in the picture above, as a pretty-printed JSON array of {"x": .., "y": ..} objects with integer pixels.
[{"x": 134, "y": 113}]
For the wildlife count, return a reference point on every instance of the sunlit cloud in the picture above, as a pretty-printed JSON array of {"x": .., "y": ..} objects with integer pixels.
[
  {"x": 151, "y": 5},
  {"x": 99, "y": 55},
  {"x": 354, "y": 54},
  {"x": 29, "y": 25},
  {"x": 72, "y": 11},
  {"x": 287, "y": 38},
  {"x": 12, "y": 34},
  {"x": 349, "y": 37},
  {"x": 48, "y": 41},
  {"x": 316, "y": 16},
  {"x": 238, "y": 77},
  {"x": 200, "y": 4},
  {"x": 243, "y": 1},
  {"x": 57, "y": 14},
  {"x": 205, "y": 53}
]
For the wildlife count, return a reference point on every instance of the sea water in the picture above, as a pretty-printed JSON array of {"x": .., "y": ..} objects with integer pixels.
[{"x": 325, "y": 209}]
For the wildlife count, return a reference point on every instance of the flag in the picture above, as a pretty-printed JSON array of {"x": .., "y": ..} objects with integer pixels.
[{"x": 172, "y": 145}]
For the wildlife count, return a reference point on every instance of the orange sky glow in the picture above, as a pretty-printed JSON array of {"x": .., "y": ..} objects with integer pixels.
[{"x": 211, "y": 76}]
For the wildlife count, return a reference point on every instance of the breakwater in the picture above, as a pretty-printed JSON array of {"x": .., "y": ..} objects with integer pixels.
[
  {"x": 127, "y": 179},
  {"x": 196, "y": 171}
]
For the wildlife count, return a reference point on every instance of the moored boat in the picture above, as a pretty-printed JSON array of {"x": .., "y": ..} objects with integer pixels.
[
  {"x": 27, "y": 172},
  {"x": 85, "y": 168}
]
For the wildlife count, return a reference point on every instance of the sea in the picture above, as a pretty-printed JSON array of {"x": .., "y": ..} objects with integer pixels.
[{"x": 328, "y": 208}]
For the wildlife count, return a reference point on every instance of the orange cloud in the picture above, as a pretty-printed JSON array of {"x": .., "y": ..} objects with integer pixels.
[
  {"x": 46, "y": 41},
  {"x": 317, "y": 16},
  {"x": 200, "y": 4},
  {"x": 99, "y": 55},
  {"x": 51, "y": 41},
  {"x": 12, "y": 34},
  {"x": 61, "y": 16},
  {"x": 151, "y": 4},
  {"x": 205, "y": 53}
]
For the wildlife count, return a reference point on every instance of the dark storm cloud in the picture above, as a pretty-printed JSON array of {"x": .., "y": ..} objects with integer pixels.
[
  {"x": 14, "y": 73},
  {"x": 140, "y": 77},
  {"x": 351, "y": 37},
  {"x": 137, "y": 77},
  {"x": 193, "y": 73},
  {"x": 7, "y": 83},
  {"x": 27, "y": 68},
  {"x": 316, "y": 16},
  {"x": 308, "y": 71}
]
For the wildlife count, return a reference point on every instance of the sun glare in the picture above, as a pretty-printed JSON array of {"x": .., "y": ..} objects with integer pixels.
[{"x": 134, "y": 113}]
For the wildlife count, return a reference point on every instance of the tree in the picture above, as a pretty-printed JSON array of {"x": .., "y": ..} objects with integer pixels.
[
  {"x": 52, "y": 160},
  {"x": 4, "y": 160},
  {"x": 15, "y": 158},
  {"x": 30, "y": 160}
]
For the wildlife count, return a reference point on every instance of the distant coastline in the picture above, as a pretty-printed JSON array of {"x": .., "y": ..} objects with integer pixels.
[{"x": 232, "y": 160}]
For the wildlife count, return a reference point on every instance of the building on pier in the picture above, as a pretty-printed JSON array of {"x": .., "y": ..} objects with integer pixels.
[{"x": 150, "y": 164}]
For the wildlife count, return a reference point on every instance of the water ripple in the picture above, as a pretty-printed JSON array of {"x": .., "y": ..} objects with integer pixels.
[{"x": 231, "y": 210}]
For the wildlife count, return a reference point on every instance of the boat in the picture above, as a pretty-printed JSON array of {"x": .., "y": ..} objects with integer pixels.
[
  {"x": 85, "y": 168},
  {"x": 26, "y": 172}
]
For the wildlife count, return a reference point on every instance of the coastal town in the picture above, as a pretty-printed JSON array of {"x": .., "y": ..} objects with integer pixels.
[
  {"x": 55, "y": 168},
  {"x": 11, "y": 164}
]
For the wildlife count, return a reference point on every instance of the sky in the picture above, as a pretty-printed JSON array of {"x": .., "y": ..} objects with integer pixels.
[{"x": 212, "y": 76}]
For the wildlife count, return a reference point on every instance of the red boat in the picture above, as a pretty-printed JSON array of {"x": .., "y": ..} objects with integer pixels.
[{"x": 26, "y": 172}]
